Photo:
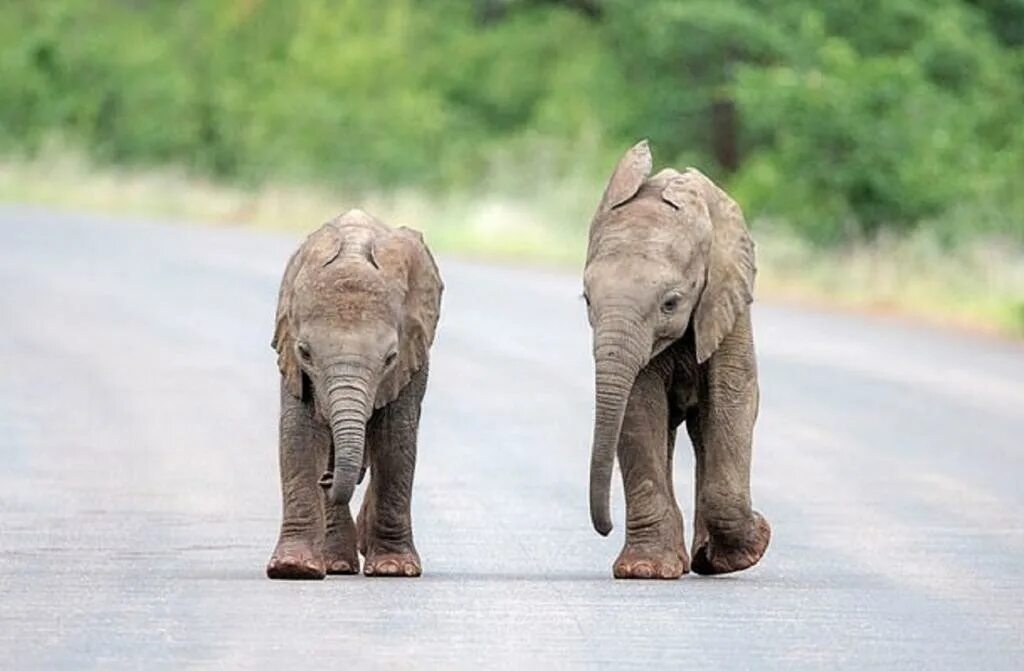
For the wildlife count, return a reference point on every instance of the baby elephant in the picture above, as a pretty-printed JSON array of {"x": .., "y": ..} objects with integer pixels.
[
  {"x": 356, "y": 315},
  {"x": 668, "y": 283}
]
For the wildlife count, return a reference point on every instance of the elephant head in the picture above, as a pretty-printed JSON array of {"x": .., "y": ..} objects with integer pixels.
[
  {"x": 356, "y": 315},
  {"x": 666, "y": 254}
]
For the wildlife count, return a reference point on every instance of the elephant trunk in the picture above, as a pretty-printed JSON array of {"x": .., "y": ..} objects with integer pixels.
[
  {"x": 621, "y": 349},
  {"x": 349, "y": 407}
]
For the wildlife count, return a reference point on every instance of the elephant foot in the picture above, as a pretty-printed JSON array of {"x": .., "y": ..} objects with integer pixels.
[
  {"x": 717, "y": 554},
  {"x": 295, "y": 560},
  {"x": 393, "y": 565},
  {"x": 342, "y": 565},
  {"x": 637, "y": 562},
  {"x": 340, "y": 554}
]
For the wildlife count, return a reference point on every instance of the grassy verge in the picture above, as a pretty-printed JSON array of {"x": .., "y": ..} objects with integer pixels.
[{"x": 978, "y": 285}]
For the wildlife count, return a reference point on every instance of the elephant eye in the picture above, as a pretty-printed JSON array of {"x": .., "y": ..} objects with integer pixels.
[
  {"x": 670, "y": 304},
  {"x": 304, "y": 353},
  {"x": 390, "y": 358}
]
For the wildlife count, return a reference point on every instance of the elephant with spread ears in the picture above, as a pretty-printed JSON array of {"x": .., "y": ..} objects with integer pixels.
[
  {"x": 356, "y": 315},
  {"x": 668, "y": 284}
]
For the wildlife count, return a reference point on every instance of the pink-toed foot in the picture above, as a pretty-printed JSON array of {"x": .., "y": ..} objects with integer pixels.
[
  {"x": 295, "y": 560},
  {"x": 717, "y": 556},
  {"x": 405, "y": 565},
  {"x": 640, "y": 564}
]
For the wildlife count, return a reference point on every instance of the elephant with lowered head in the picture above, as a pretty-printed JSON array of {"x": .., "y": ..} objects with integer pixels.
[
  {"x": 668, "y": 284},
  {"x": 356, "y": 315}
]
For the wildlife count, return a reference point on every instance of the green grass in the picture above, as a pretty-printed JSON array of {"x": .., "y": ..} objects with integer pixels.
[{"x": 978, "y": 284}]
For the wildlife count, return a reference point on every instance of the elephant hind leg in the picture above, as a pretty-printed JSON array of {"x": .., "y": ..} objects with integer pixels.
[
  {"x": 340, "y": 554},
  {"x": 673, "y": 501},
  {"x": 365, "y": 518},
  {"x": 340, "y": 538}
]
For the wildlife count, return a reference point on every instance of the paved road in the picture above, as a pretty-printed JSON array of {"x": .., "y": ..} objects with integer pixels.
[{"x": 138, "y": 485}]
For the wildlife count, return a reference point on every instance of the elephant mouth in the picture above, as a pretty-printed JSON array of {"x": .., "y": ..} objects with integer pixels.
[{"x": 662, "y": 344}]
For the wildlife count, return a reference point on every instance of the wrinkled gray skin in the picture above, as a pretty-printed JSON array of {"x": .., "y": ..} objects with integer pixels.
[
  {"x": 356, "y": 315},
  {"x": 668, "y": 282}
]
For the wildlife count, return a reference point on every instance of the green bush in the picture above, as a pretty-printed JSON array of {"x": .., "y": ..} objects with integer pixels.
[
  {"x": 841, "y": 119},
  {"x": 880, "y": 140}
]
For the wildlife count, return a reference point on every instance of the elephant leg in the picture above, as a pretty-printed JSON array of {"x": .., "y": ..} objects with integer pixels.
[
  {"x": 303, "y": 452},
  {"x": 654, "y": 545},
  {"x": 729, "y": 534},
  {"x": 670, "y": 477},
  {"x": 700, "y": 531},
  {"x": 340, "y": 555},
  {"x": 386, "y": 518},
  {"x": 365, "y": 516}
]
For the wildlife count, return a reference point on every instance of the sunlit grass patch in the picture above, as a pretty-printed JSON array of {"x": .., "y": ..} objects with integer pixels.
[{"x": 978, "y": 283}]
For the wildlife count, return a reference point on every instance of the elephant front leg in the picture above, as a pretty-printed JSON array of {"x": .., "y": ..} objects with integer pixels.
[
  {"x": 304, "y": 444},
  {"x": 729, "y": 534},
  {"x": 385, "y": 521},
  {"x": 654, "y": 545}
]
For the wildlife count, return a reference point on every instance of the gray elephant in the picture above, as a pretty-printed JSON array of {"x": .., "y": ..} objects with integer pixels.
[
  {"x": 668, "y": 282},
  {"x": 356, "y": 316}
]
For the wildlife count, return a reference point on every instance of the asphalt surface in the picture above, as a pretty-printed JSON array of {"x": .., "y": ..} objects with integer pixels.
[{"x": 139, "y": 496}]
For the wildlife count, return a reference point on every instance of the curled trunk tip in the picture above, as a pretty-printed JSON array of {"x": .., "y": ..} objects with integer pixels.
[
  {"x": 600, "y": 516},
  {"x": 341, "y": 495},
  {"x": 348, "y": 465},
  {"x": 349, "y": 445}
]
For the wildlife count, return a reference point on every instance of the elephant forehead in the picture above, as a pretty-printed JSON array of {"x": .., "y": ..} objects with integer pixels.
[
  {"x": 618, "y": 273},
  {"x": 663, "y": 239},
  {"x": 346, "y": 289}
]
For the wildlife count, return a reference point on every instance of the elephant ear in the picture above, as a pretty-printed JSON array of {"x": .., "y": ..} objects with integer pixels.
[
  {"x": 731, "y": 268},
  {"x": 403, "y": 258},
  {"x": 630, "y": 173},
  {"x": 321, "y": 247}
]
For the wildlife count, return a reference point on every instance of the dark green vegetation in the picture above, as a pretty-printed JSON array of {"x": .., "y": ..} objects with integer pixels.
[{"x": 840, "y": 118}]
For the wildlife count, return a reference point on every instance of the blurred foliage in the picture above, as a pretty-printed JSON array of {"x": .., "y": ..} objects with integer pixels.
[{"x": 839, "y": 119}]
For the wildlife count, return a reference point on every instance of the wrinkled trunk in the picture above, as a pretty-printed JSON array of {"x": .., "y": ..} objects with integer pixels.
[
  {"x": 349, "y": 408},
  {"x": 621, "y": 349}
]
